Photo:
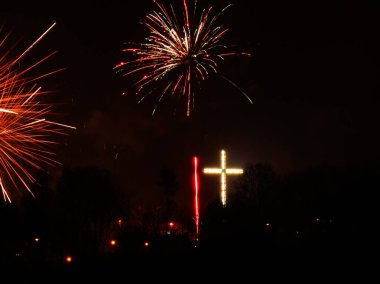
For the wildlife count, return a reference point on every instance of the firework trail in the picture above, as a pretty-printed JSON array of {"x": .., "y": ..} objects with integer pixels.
[
  {"x": 24, "y": 127},
  {"x": 196, "y": 197},
  {"x": 182, "y": 50}
]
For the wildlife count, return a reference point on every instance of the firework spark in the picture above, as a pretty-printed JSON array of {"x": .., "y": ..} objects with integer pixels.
[
  {"x": 24, "y": 127},
  {"x": 181, "y": 51}
]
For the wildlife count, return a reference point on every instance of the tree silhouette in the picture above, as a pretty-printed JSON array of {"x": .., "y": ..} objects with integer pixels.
[
  {"x": 254, "y": 187},
  {"x": 86, "y": 203},
  {"x": 168, "y": 181},
  {"x": 238, "y": 226}
]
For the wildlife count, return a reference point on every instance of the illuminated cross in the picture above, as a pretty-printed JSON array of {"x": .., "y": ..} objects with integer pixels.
[{"x": 223, "y": 171}]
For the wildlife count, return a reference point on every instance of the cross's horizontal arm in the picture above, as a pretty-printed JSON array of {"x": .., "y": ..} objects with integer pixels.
[
  {"x": 212, "y": 171},
  {"x": 234, "y": 171}
]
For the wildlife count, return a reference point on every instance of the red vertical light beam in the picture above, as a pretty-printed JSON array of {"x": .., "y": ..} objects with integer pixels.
[{"x": 196, "y": 199}]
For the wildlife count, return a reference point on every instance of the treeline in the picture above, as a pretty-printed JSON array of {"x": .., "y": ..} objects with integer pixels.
[{"x": 82, "y": 212}]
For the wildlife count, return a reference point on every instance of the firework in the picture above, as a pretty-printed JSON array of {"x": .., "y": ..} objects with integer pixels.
[
  {"x": 182, "y": 50},
  {"x": 24, "y": 127},
  {"x": 196, "y": 197}
]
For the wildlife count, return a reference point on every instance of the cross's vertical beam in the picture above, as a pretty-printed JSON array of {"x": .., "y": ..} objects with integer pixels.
[{"x": 223, "y": 192}]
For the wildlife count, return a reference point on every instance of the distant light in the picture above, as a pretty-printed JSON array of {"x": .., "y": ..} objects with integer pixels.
[
  {"x": 297, "y": 232},
  {"x": 113, "y": 242},
  {"x": 267, "y": 225},
  {"x": 123, "y": 93},
  {"x": 171, "y": 224},
  {"x": 146, "y": 244},
  {"x": 120, "y": 222},
  {"x": 69, "y": 259},
  {"x": 37, "y": 240},
  {"x": 317, "y": 219}
]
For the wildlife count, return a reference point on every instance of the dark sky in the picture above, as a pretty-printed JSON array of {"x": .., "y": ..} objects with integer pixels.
[{"x": 313, "y": 77}]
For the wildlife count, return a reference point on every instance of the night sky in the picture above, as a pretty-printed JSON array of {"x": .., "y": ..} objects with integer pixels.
[{"x": 313, "y": 78}]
